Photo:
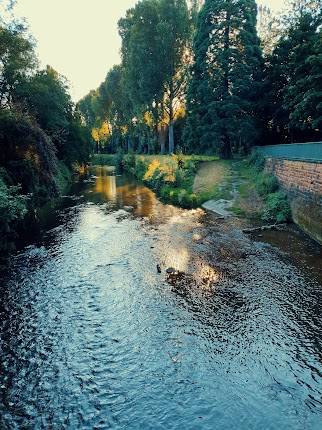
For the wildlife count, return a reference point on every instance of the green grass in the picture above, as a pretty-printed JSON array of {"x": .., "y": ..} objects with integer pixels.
[{"x": 259, "y": 193}]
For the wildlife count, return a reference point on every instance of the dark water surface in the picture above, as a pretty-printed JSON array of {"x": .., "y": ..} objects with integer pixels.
[{"x": 93, "y": 337}]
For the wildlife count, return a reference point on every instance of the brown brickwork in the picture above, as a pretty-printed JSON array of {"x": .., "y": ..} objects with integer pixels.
[
  {"x": 297, "y": 176},
  {"x": 303, "y": 183}
]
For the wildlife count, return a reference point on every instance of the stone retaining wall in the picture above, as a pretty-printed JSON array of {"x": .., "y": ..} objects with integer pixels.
[{"x": 302, "y": 180}]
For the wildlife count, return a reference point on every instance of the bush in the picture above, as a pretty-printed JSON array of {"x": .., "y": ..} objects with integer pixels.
[
  {"x": 119, "y": 160},
  {"x": 180, "y": 178},
  {"x": 191, "y": 166},
  {"x": 13, "y": 206},
  {"x": 266, "y": 184},
  {"x": 140, "y": 168},
  {"x": 277, "y": 208},
  {"x": 28, "y": 154},
  {"x": 129, "y": 161},
  {"x": 257, "y": 161},
  {"x": 104, "y": 159},
  {"x": 64, "y": 177}
]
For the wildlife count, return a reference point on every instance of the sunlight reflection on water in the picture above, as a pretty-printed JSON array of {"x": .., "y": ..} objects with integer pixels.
[{"x": 93, "y": 336}]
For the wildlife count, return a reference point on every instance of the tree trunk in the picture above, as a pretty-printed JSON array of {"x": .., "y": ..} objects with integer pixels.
[
  {"x": 171, "y": 121},
  {"x": 171, "y": 138},
  {"x": 162, "y": 139},
  {"x": 226, "y": 51},
  {"x": 225, "y": 150}
]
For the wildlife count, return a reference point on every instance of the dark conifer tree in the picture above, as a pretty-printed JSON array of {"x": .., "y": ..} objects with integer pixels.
[
  {"x": 226, "y": 78},
  {"x": 293, "y": 85}
]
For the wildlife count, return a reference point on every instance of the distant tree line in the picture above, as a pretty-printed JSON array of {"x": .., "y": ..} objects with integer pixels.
[{"x": 206, "y": 77}]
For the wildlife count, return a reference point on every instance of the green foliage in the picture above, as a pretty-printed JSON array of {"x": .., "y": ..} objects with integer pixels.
[
  {"x": 13, "y": 205},
  {"x": 17, "y": 60},
  {"x": 277, "y": 208},
  {"x": 28, "y": 154},
  {"x": 274, "y": 205},
  {"x": 172, "y": 183},
  {"x": 104, "y": 159},
  {"x": 40, "y": 130},
  {"x": 129, "y": 162},
  {"x": 257, "y": 161},
  {"x": 226, "y": 79},
  {"x": 63, "y": 177},
  {"x": 119, "y": 160},
  {"x": 139, "y": 97},
  {"x": 266, "y": 184},
  {"x": 293, "y": 85}
]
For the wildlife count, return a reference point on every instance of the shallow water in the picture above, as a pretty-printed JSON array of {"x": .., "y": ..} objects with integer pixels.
[{"x": 92, "y": 336}]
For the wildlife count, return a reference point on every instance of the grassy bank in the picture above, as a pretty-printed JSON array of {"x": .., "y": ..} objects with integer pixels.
[
  {"x": 173, "y": 178},
  {"x": 179, "y": 179},
  {"x": 189, "y": 181},
  {"x": 258, "y": 193}
]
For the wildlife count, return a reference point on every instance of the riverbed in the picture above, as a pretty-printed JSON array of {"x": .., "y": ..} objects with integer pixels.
[{"x": 121, "y": 312}]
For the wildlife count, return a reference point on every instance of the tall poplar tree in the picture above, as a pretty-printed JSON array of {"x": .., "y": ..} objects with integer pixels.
[
  {"x": 155, "y": 37},
  {"x": 226, "y": 78}
]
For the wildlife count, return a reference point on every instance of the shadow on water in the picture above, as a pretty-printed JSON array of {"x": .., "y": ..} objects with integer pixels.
[{"x": 228, "y": 335}]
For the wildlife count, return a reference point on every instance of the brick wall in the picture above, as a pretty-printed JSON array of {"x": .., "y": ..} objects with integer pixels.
[{"x": 303, "y": 183}]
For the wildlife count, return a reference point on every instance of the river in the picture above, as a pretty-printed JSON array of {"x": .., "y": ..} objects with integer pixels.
[{"x": 92, "y": 336}]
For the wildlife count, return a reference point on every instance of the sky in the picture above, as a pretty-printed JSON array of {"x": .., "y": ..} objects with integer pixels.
[{"x": 79, "y": 38}]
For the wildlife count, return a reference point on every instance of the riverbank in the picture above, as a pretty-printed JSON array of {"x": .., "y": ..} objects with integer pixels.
[
  {"x": 19, "y": 211},
  {"x": 184, "y": 181},
  {"x": 238, "y": 188}
]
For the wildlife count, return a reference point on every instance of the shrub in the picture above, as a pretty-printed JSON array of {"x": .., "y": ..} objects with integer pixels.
[
  {"x": 191, "y": 166},
  {"x": 266, "y": 184},
  {"x": 13, "y": 206},
  {"x": 104, "y": 159},
  {"x": 64, "y": 176},
  {"x": 277, "y": 208},
  {"x": 119, "y": 160},
  {"x": 257, "y": 161},
  {"x": 28, "y": 154},
  {"x": 180, "y": 178},
  {"x": 179, "y": 160},
  {"x": 165, "y": 192},
  {"x": 129, "y": 162},
  {"x": 140, "y": 168}
]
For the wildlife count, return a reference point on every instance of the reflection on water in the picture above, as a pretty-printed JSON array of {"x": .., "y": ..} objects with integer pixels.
[
  {"x": 106, "y": 183},
  {"x": 93, "y": 337},
  {"x": 125, "y": 191}
]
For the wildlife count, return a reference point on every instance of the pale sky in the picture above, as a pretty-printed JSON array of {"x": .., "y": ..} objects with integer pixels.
[{"x": 79, "y": 38}]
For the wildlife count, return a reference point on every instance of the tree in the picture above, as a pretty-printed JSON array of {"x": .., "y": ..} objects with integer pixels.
[
  {"x": 293, "y": 79},
  {"x": 45, "y": 96},
  {"x": 17, "y": 60},
  {"x": 88, "y": 108},
  {"x": 28, "y": 154},
  {"x": 226, "y": 78},
  {"x": 303, "y": 94},
  {"x": 269, "y": 29},
  {"x": 155, "y": 37},
  {"x": 174, "y": 29}
]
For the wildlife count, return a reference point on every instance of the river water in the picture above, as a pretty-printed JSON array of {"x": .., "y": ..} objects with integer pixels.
[{"x": 92, "y": 336}]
